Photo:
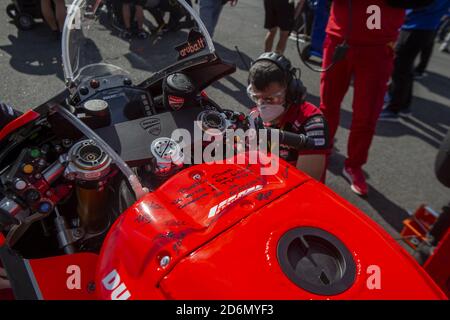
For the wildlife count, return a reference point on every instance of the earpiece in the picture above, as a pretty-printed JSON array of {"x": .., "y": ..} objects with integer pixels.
[{"x": 296, "y": 91}]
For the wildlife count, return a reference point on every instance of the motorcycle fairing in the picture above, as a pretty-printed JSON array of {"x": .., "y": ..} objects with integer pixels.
[
  {"x": 176, "y": 218},
  {"x": 233, "y": 255},
  {"x": 66, "y": 277}
]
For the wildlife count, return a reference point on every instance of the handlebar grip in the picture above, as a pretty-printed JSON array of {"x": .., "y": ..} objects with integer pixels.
[{"x": 294, "y": 140}]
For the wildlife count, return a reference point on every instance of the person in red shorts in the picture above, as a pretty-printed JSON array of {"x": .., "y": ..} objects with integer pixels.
[
  {"x": 369, "y": 28},
  {"x": 279, "y": 97}
]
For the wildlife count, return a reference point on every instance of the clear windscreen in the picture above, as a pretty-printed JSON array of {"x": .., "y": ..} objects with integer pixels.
[{"x": 96, "y": 40}]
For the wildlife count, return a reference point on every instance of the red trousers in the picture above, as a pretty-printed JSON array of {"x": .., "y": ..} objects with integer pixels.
[{"x": 370, "y": 67}]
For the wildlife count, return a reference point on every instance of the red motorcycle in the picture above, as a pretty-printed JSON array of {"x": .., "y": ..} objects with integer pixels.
[{"x": 100, "y": 201}]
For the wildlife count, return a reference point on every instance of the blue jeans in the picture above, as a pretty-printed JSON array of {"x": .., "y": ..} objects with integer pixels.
[{"x": 209, "y": 13}]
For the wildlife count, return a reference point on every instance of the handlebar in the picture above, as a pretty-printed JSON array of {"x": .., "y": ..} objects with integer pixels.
[{"x": 294, "y": 140}]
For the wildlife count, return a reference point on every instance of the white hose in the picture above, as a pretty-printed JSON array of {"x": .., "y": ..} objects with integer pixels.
[{"x": 136, "y": 185}]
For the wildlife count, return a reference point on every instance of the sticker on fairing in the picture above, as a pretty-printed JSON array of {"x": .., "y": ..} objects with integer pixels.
[
  {"x": 221, "y": 206},
  {"x": 195, "y": 43}
]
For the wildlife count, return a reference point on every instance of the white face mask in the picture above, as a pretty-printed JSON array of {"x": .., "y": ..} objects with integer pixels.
[{"x": 270, "y": 112}]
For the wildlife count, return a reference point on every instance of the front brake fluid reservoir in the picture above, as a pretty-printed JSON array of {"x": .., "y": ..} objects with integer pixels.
[{"x": 89, "y": 166}]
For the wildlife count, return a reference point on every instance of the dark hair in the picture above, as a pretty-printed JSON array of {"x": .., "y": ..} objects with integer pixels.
[{"x": 263, "y": 73}]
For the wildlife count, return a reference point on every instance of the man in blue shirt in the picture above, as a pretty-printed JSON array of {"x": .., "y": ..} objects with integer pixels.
[{"x": 417, "y": 34}]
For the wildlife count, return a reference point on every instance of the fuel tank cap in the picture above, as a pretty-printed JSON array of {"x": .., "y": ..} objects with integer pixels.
[{"x": 316, "y": 261}]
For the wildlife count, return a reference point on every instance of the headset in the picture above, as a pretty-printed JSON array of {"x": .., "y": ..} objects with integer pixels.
[{"x": 296, "y": 91}]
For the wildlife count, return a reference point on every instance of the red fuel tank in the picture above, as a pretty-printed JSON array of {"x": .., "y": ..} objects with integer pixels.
[{"x": 228, "y": 232}]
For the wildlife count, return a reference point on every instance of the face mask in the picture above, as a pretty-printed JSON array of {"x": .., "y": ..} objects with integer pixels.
[{"x": 270, "y": 112}]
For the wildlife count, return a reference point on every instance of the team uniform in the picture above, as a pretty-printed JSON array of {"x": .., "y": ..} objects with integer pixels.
[
  {"x": 369, "y": 61},
  {"x": 306, "y": 119}
]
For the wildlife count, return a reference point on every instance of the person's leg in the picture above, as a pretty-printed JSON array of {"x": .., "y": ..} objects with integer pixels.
[
  {"x": 60, "y": 12},
  {"x": 400, "y": 88},
  {"x": 268, "y": 42},
  {"x": 176, "y": 13},
  {"x": 157, "y": 15},
  {"x": 282, "y": 42},
  {"x": 216, "y": 14},
  {"x": 285, "y": 20},
  {"x": 333, "y": 85},
  {"x": 139, "y": 14},
  {"x": 48, "y": 15},
  {"x": 269, "y": 24},
  {"x": 309, "y": 19},
  {"x": 206, "y": 10},
  {"x": 372, "y": 68},
  {"x": 126, "y": 13},
  {"x": 425, "y": 56}
]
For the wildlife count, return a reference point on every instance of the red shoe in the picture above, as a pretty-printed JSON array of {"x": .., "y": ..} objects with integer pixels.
[{"x": 357, "y": 180}]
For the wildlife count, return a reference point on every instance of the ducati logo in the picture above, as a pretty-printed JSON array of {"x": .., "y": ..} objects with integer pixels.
[
  {"x": 112, "y": 283},
  {"x": 176, "y": 102},
  {"x": 152, "y": 126}
]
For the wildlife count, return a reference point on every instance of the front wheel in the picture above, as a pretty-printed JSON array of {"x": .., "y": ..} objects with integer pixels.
[{"x": 25, "y": 22}]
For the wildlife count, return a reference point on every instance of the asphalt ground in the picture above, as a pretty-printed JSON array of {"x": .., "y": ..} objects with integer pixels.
[{"x": 400, "y": 168}]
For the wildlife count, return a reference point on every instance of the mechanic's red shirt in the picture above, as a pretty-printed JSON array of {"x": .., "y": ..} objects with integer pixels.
[
  {"x": 360, "y": 34},
  {"x": 307, "y": 119}
]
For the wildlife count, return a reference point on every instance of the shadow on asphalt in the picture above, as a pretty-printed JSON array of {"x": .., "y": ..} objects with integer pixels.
[
  {"x": 392, "y": 213},
  {"x": 429, "y": 122},
  {"x": 436, "y": 83},
  {"x": 35, "y": 52},
  {"x": 242, "y": 60},
  {"x": 150, "y": 55},
  {"x": 238, "y": 93}
]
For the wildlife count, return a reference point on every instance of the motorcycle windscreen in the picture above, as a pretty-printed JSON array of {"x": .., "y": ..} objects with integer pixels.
[{"x": 96, "y": 42}]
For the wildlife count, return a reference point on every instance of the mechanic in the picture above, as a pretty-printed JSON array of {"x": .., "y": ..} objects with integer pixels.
[
  {"x": 279, "y": 96},
  {"x": 369, "y": 29}
]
